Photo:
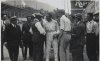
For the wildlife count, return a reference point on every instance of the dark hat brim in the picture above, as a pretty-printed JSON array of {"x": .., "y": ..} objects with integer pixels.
[{"x": 13, "y": 19}]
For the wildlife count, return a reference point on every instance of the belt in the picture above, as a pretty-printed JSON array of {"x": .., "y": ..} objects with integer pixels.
[
  {"x": 90, "y": 33},
  {"x": 67, "y": 31},
  {"x": 51, "y": 31}
]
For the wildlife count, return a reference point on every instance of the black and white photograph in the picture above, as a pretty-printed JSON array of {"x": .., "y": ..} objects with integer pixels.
[{"x": 50, "y": 30}]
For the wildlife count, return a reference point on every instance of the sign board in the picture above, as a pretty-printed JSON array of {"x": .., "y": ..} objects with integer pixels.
[{"x": 79, "y": 4}]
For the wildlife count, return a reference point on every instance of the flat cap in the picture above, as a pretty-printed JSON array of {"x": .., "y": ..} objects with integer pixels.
[{"x": 14, "y": 18}]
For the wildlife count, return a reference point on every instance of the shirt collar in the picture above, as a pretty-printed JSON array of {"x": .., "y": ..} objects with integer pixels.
[
  {"x": 13, "y": 25},
  {"x": 90, "y": 21},
  {"x": 78, "y": 22}
]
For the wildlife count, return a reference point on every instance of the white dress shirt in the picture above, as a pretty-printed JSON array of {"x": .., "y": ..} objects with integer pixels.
[
  {"x": 44, "y": 21},
  {"x": 91, "y": 26},
  {"x": 52, "y": 26},
  {"x": 2, "y": 25},
  {"x": 65, "y": 23}
]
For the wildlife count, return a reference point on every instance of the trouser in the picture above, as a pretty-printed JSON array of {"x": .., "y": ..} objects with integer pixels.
[
  {"x": 30, "y": 49},
  {"x": 38, "y": 51},
  {"x": 2, "y": 56},
  {"x": 77, "y": 54},
  {"x": 77, "y": 48},
  {"x": 25, "y": 51},
  {"x": 13, "y": 52},
  {"x": 91, "y": 47},
  {"x": 25, "y": 48},
  {"x": 64, "y": 47},
  {"x": 50, "y": 41},
  {"x": 97, "y": 50},
  {"x": 2, "y": 44}
]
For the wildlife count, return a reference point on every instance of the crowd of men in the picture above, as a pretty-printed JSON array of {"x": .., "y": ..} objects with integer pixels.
[{"x": 68, "y": 35}]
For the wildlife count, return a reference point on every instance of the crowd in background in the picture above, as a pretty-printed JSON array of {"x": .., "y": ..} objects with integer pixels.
[{"x": 67, "y": 33}]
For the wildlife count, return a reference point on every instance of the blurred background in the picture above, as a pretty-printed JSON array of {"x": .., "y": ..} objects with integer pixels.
[{"x": 23, "y": 8}]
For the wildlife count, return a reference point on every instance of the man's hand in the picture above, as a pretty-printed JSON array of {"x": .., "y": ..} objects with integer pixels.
[
  {"x": 21, "y": 45},
  {"x": 5, "y": 43},
  {"x": 55, "y": 36},
  {"x": 73, "y": 34}
]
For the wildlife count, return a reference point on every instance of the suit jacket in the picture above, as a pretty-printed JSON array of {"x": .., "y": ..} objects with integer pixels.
[
  {"x": 26, "y": 33},
  {"x": 78, "y": 39},
  {"x": 13, "y": 35},
  {"x": 3, "y": 32}
]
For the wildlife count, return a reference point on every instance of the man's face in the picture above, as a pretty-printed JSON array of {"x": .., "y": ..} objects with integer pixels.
[
  {"x": 14, "y": 22},
  {"x": 29, "y": 19},
  {"x": 48, "y": 18},
  {"x": 89, "y": 18},
  {"x": 96, "y": 18},
  {"x": 5, "y": 17},
  {"x": 7, "y": 21},
  {"x": 76, "y": 20}
]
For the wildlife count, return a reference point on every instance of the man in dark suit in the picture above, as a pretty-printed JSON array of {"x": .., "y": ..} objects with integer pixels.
[
  {"x": 78, "y": 39},
  {"x": 13, "y": 38},
  {"x": 27, "y": 40},
  {"x": 2, "y": 35},
  {"x": 4, "y": 22}
]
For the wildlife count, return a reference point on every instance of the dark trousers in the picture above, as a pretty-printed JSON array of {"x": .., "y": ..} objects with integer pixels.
[
  {"x": 2, "y": 44},
  {"x": 97, "y": 50},
  {"x": 13, "y": 52},
  {"x": 38, "y": 51},
  {"x": 2, "y": 56},
  {"x": 91, "y": 47},
  {"x": 77, "y": 55},
  {"x": 30, "y": 49},
  {"x": 25, "y": 51},
  {"x": 26, "y": 45}
]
